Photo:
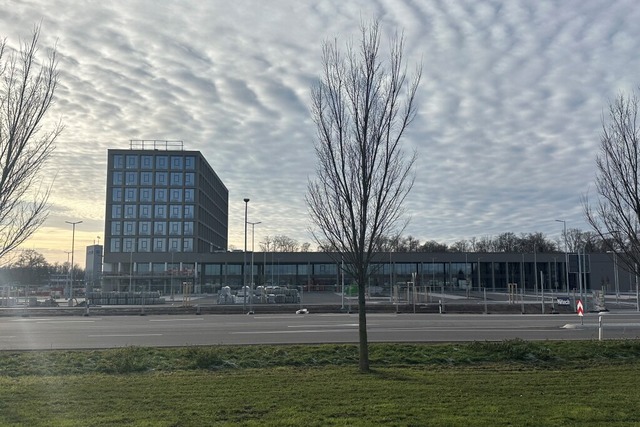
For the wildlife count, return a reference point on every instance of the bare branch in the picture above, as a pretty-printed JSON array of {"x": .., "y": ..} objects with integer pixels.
[
  {"x": 26, "y": 93},
  {"x": 361, "y": 106}
]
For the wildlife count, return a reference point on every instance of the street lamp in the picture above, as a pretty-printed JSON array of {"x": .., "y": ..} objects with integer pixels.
[
  {"x": 73, "y": 240},
  {"x": 244, "y": 259},
  {"x": 253, "y": 224},
  {"x": 479, "y": 284},
  {"x": 566, "y": 255}
]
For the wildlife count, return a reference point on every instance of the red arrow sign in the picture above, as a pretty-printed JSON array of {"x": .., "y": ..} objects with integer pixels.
[{"x": 579, "y": 308}]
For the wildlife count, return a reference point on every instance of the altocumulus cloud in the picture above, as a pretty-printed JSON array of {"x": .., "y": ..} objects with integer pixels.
[{"x": 510, "y": 103}]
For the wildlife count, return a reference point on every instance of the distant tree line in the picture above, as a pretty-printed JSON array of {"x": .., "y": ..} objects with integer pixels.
[
  {"x": 31, "y": 268},
  {"x": 575, "y": 238}
]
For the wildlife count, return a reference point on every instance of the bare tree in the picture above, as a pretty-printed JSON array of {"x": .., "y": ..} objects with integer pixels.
[
  {"x": 26, "y": 93},
  {"x": 616, "y": 214},
  {"x": 361, "y": 106}
]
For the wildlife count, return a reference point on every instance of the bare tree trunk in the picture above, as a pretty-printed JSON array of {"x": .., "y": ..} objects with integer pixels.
[
  {"x": 363, "y": 361},
  {"x": 362, "y": 174},
  {"x": 25, "y": 97}
]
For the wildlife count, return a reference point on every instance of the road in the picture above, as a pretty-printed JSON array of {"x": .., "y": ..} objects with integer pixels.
[{"x": 41, "y": 333}]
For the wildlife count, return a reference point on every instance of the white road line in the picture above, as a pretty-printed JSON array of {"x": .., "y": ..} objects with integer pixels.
[
  {"x": 49, "y": 322},
  {"x": 347, "y": 325},
  {"x": 124, "y": 335},
  {"x": 177, "y": 320},
  {"x": 322, "y": 331}
]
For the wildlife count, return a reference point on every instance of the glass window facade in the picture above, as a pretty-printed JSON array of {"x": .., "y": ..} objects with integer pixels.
[
  {"x": 159, "y": 228},
  {"x": 151, "y": 204},
  {"x": 146, "y": 162},
  {"x": 162, "y": 162},
  {"x": 176, "y": 162},
  {"x": 118, "y": 161},
  {"x": 161, "y": 195},
  {"x": 189, "y": 163}
]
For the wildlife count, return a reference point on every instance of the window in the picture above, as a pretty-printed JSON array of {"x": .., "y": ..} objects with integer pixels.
[
  {"x": 161, "y": 178},
  {"x": 188, "y": 211},
  {"x": 176, "y": 162},
  {"x": 162, "y": 162},
  {"x": 190, "y": 163},
  {"x": 159, "y": 245},
  {"x": 188, "y": 228},
  {"x": 117, "y": 178},
  {"x": 128, "y": 244},
  {"x": 145, "y": 194},
  {"x": 116, "y": 195},
  {"x": 160, "y": 228},
  {"x": 116, "y": 228},
  {"x": 146, "y": 162},
  {"x": 189, "y": 195},
  {"x": 176, "y": 195},
  {"x": 144, "y": 228},
  {"x": 129, "y": 211},
  {"x": 115, "y": 245},
  {"x": 189, "y": 179},
  {"x": 130, "y": 195},
  {"x": 118, "y": 161},
  {"x": 174, "y": 244},
  {"x": 144, "y": 245},
  {"x": 132, "y": 178},
  {"x": 161, "y": 211},
  {"x": 129, "y": 228},
  {"x": 176, "y": 178},
  {"x": 175, "y": 228},
  {"x": 233, "y": 269},
  {"x": 132, "y": 161},
  {"x": 146, "y": 178},
  {"x": 187, "y": 245},
  {"x": 116, "y": 211},
  {"x": 145, "y": 211},
  {"x": 161, "y": 195},
  {"x": 176, "y": 211}
]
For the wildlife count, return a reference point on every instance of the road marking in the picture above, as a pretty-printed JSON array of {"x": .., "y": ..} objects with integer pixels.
[
  {"x": 176, "y": 320},
  {"x": 48, "y": 322},
  {"x": 348, "y": 325},
  {"x": 303, "y": 331},
  {"x": 7, "y": 337},
  {"x": 124, "y": 335}
]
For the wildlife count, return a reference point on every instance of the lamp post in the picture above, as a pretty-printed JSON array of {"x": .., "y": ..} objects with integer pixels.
[
  {"x": 131, "y": 270},
  {"x": 253, "y": 224},
  {"x": 479, "y": 285},
  {"x": 244, "y": 259},
  {"x": 566, "y": 255},
  {"x": 73, "y": 241}
]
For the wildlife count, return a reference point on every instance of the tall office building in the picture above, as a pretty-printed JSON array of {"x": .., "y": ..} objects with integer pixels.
[{"x": 165, "y": 207}]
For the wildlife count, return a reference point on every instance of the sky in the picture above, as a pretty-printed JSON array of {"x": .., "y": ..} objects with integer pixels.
[{"x": 510, "y": 105}]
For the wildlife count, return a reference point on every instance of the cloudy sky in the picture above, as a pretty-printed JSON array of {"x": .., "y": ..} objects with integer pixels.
[{"x": 511, "y": 103}]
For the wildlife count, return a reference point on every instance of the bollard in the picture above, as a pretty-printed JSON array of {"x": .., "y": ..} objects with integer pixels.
[
  {"x": 600, "y": 328},
  {"x": 440, "y": 306}
]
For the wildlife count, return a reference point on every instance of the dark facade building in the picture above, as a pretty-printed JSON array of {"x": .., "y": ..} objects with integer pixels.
[
  {"x": 165, "y": 206},
  {"x": 166, "y": 231}
]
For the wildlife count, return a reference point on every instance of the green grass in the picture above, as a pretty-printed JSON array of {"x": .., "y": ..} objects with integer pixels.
[{"x": 511, "y": 383}]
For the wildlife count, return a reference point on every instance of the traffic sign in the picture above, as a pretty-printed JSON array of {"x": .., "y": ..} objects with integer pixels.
[{"x": 579, "y": 308}]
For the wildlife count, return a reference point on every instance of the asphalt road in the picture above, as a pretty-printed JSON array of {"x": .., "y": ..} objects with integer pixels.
[{"x": 42, "y": 333}]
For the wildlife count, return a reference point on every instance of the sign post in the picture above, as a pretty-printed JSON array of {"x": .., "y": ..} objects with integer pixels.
[{"x": 580, "y": 310}]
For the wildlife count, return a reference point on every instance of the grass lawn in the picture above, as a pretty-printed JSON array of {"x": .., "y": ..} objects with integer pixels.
[{"x": 514, "y": 383}]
